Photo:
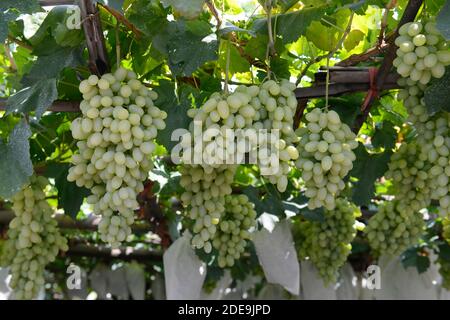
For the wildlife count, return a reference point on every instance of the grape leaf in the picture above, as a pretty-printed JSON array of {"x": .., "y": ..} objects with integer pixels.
[
  {"x": 437, "y": 94},
  {"x": 443, "y": 20},
  {"x": 367, "y": 168},
  {"x": 353, "y": 38},
  {"x": 50, "y": 66},
  {"x": 324, "y": 38},
  {"x": 413, "y": 258},
  {"x": 290, "y": 26},
  {"x": 237, "y": 62},
  {"x": 15, "y": 162},
  {"x": 188, "y": 45},
  {"x": 148, "y": 16},
  {"x": 227, "y": 27},
  {"x": 189, "y": 9},
  {"x": 285, "y": 5},
  {"x": 70, "y": 196},
  {"x": 176, "y": 111},
  {"x": 115, "y": 4},
  {"x": 385, "y": 136},
  {"x": 37, "y": 97},
  {"x": 11, "y": 9}
]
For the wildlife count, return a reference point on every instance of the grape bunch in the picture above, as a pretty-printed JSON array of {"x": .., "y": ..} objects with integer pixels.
[
  {"x": 422, "y": 52},
  {"x": 435, "y": 148},
  {"x": 247, "y": 111},
  {"x": 33, "y": 241},
  {"x": 233, "y": 229},
  {"x": 325, "y": 156},
  {"x": 206, "y": 190},
  {"x": 327, "y": 243},
  {"x": 412, "y": 96},
  {"x": 394, "y": 228},
  {"x": 116, "y": 130},
  {"x": 409, "y": 171}
]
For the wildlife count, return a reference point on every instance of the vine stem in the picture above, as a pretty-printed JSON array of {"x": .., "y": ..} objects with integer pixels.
[
  {"x": 270, "y": 45},
  {"x": 327, "y": 83},
  {"x": 227, "y": 67},
  {"x": 117, "y": 44},
  {"x": 13, "y": 66}
]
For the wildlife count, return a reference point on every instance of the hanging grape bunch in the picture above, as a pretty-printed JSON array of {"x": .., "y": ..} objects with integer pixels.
[
  {"x": 116, "y": 131},
  {"x": 422, "y": 52},
  {"x": 328, "y": 243},
  {"x": 33, "y": 241},
  {"x": 231, "y": 238},
  {"x": 206, "y": 188},
  {"x": 325, "y": 156},
  {"x": 409, "y": 173},
  {"x": 270, "y": 106},
  {"x": 245, "y": 111},
  {"x": 394, "y": 228}
]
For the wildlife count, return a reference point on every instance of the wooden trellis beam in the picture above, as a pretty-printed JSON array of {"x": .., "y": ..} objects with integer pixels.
[
  {"x": 65, "y": 222},
  {"x": 106, "y": 253}
]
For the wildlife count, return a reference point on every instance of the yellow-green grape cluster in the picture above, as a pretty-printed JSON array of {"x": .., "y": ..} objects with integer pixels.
[
  {"x": 446, "y": 229},
  {"x": 444, "y": 271},
  {"x": 206, "y": 188},
  {"x": 394, "y": 228},
  {"x": 327, "y": 243},
  {"x": 435, "y": 149},
  {"x": 116, "y": 130},
  {"x": 412, "y": 96},
  {"x": 33, "y": 241},
  {"x": 270, "y": 106},
  {"x": 325, "y": 156},
  {"x": 422, "y": 52},
  {"x": 410, "y": 176},
  {"x": 233, "y": 230}
]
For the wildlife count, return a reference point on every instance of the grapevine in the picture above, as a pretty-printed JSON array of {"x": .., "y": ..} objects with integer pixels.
[
  {"x": 118, "y": 124},
  {"x": 33, "y": 241},
  {"x": 325, "y": 156},
  {"x": 328, "y": 243},
  {"x": 394, "y": 228}
]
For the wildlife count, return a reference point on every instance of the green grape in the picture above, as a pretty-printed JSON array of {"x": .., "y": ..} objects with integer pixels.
[
  {"x": 444, "y": 271},
  {"x": 394, "y": 228},
  {"x": 410, "y": 178},
  {"x": 209, "y": 159},
  {"x": 419, "y": 57},
  {"x": 116, "y": 131},
  {"x": 233, "y": 231},
  {"x": 325, "y": 156},
  {"x": 206, "y": 189},
  {"x": 327, "y": 243},
  {"x": 33, "y": 240},
  {"x": 446, "y": 229}
]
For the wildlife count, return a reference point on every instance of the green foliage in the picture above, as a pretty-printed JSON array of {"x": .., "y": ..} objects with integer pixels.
[
  {"x": 443, "y": 20},
  {"x": 353, "y": 39},
  {"x": 367, "y": 169},
  {"x": 178, "y": 119},
  {"x": 11, "y": 9},
  {"x": 37, "y": 97},
  {"x": 183, "y": 40},
  {"x": 15, "y": 163},
  {"x": 290, "y": 26},
  {"x": 70, "y": 196},
  {"x": 437, "y": 94},
  {"x": 186, "y": 8}
]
